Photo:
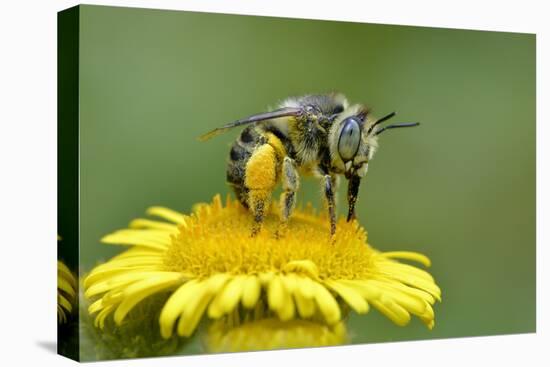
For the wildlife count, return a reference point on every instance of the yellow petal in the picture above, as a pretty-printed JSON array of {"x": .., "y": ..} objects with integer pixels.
[
  {"x": 61, "y": 317},
  {"x": 428, "y": 313},
  {"x": 139, "y": 238},
  {"x": 327, "y": 304},
  {"x": 62, "y": 267},
  {"x": 146, "y": 223},
  {"x": 388, "y": 313},
  {"x": 172, "y": 309},
  {"x": 64, "y": 303},
  {"x": 157, "y": 235},
  {"x": 107, "y": 274},
  {"x": 348, "y": 294},
  {"x": 305, "y": 305},
  {"x": 428, "y": 317},
  {"x": 415, "y": 305},
  {"x": 276, "y": 294},
  {"x": 251, "y": 291},
  {"x": 138, "y": 251},
  {"x": 166, "y": 213},
  {"x": 232, "y": 293},
  {"x": 414, "y": 292},
  {"x": 227, "y": 298},
  {"x": 120, "y": 280},
  {"x": 393, "y": 311},
  {"x": 96, "y": 306},
  {"x": 216, "y": 282},
  {"x": 364, "y": 287},
  {"x": 66, "y": 287},
  {"x": 286, "y": 312},
  {"x": 131, "y": 261},
  {"x": 305, "y": 285},
  {"x": 64, "y": 272},
  {"x": 395, "y": 267},
  {"x": 265, "y": 278},
  {"x": 395, "y": 307},
  {"x": 100, "y": 318},
  {"x": 307, "y": 267},
  {"x": 419, "y": 283},
  {"x": 193, "y": 312},
  {"x": 407, "y": 255},
  {"x": 138, "y": 291},
  {"x": 112, "y": 297}
]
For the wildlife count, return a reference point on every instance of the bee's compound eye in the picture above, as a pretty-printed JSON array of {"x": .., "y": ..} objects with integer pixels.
[{"x": 350, "y": 138}]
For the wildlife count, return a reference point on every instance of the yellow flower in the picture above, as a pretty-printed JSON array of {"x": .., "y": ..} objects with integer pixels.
[
  {"x": 212, "y": 268},
  {"x": 272, "y": 333},
  {"x": 66, "y": 292}
]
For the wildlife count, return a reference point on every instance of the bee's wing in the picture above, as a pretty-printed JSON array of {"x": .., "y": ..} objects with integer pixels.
[{"x": 282, "y": 112}]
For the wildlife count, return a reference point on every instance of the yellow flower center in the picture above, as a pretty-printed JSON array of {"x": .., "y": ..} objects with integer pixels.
[{"x": 217, "y": 239}]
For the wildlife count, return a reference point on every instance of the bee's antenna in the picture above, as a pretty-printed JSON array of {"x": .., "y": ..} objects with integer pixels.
[
  {"x": 379, "y": 121},
  {"x": 407, "y": 124}
]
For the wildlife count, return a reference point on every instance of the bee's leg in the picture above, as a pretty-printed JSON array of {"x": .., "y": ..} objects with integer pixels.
[
  {"x": 353, "y": 190},
  {"x": 329, "y": 195},
  {"x": 291, "y": 182},
  {"x": 260, "y": 180}
]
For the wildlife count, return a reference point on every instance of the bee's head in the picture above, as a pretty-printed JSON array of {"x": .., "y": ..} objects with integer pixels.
[{"x": 353, "y": 140}]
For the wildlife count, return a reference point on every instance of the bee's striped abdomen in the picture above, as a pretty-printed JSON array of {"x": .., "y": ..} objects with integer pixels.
[{"x": 239, "y": 155}]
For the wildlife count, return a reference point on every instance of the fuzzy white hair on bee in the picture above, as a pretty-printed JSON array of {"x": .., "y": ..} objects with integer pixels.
[
  {"x": 325, "y": 102},
  {"x": 321, "y": 104}
]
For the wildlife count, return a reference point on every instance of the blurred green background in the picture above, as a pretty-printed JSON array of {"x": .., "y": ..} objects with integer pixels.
[{"x": 459, "y": 188}]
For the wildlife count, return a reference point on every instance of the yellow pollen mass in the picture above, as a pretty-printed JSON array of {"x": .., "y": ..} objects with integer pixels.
[{"x": 261, "y": 169}]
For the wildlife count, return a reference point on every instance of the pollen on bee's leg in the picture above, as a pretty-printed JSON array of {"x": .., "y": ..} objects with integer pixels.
[
  {"x": 260, "y": 179},
  {"x": 260, "y": 172}
]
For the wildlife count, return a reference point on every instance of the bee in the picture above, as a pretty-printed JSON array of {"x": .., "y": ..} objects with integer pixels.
[{"x": 312, "y": 135}]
